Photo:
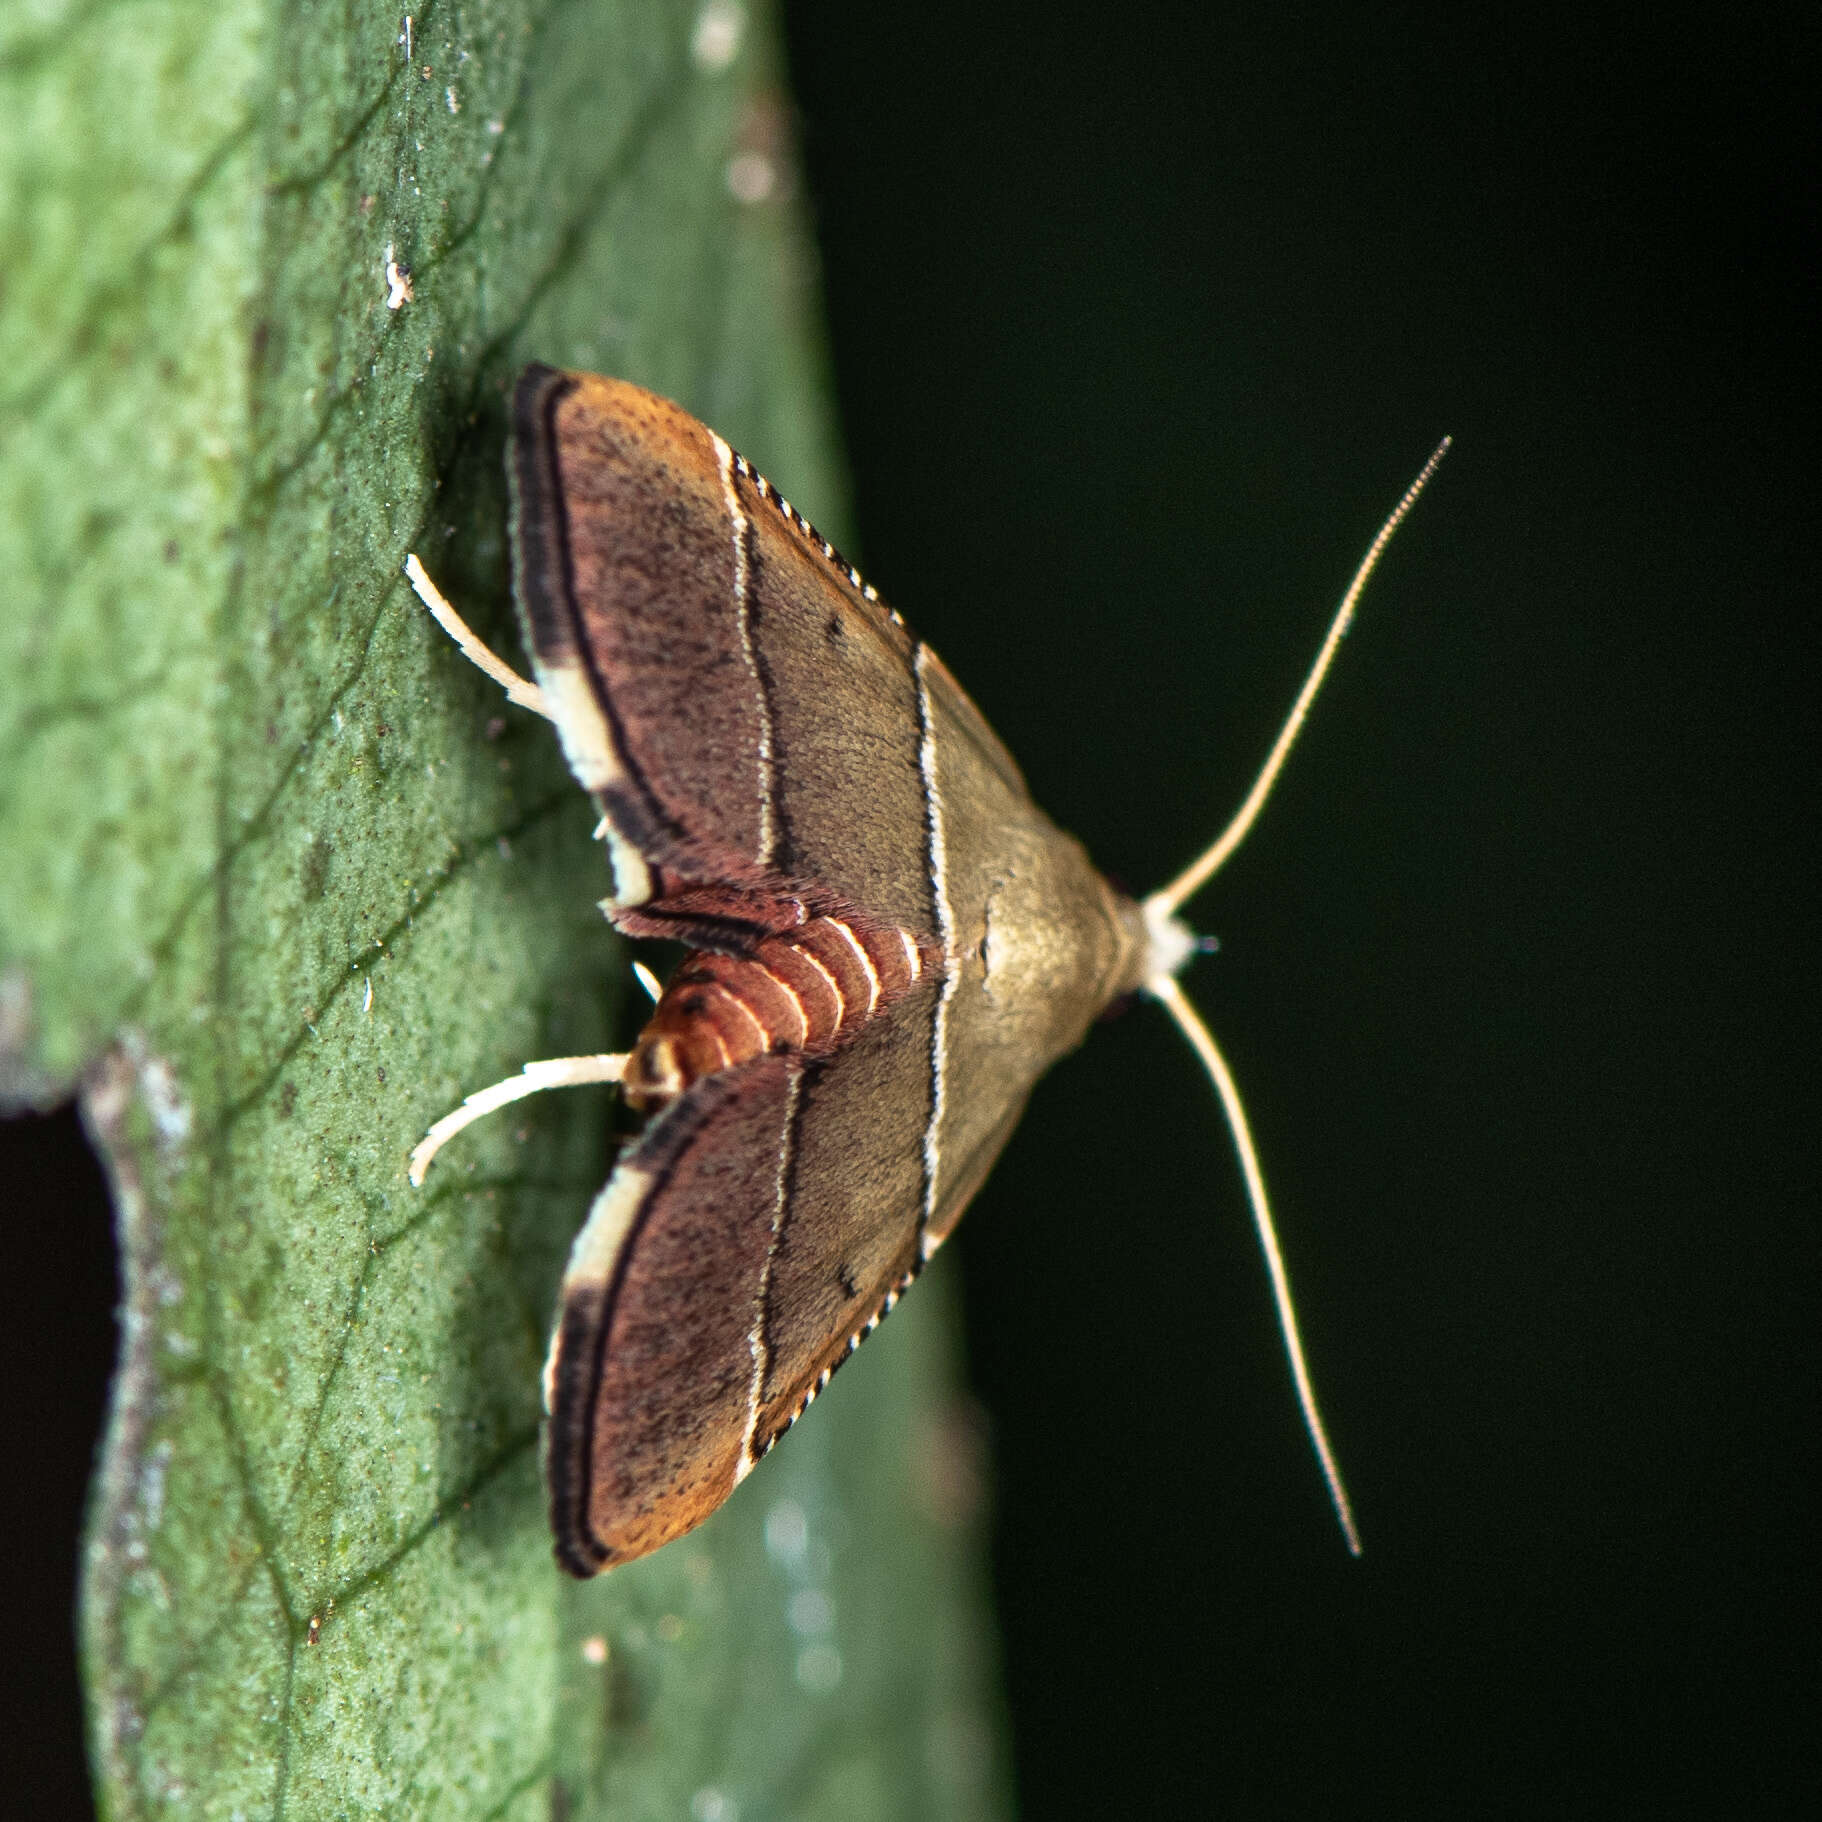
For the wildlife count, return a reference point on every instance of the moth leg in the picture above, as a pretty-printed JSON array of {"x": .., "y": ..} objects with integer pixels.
[
  {"x": 518, "y": 689},
  {"x": 550, "y": 1072}
]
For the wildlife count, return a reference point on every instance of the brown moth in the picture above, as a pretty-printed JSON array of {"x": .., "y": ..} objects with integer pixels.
[{"x": 889, "y": 942}]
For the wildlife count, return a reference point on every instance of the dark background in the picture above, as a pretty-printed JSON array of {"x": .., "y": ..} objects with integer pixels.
[{"x": 1141, "y": 320}]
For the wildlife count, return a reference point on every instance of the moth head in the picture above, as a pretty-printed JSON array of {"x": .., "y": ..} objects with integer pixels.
[{"x": 1170, "y": 941}]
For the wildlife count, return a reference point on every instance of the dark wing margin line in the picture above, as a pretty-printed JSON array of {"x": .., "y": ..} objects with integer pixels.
[
  {"x": 571, "y": 1455},
  {"x": 549, "y": 600}
]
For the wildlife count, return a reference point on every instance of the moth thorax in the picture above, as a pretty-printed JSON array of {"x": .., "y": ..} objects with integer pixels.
[{"x": 808, "y": 991}]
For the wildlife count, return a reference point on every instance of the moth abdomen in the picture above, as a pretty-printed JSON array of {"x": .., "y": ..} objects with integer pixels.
[{"x": 808, "y": 991}]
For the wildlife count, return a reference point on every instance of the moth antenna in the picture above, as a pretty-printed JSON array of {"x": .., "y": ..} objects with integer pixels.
[
  {"x": 1164, "y": 988},
  {"x": 1193, "y": 878},
  {"x": 534, "y": 1078},
  {"x": 1172, "y": 945},
  {"x": 649, "y": 981},
  {"x": 518, "y": 689}
]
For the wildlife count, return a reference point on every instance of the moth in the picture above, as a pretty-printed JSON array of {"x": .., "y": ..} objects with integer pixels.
[{"x": 887, "y": 941}]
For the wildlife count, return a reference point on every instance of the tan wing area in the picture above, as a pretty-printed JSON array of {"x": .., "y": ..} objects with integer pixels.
[
  {"x": 963, "y": 1173},
  {"x": 1039, "y": 943},
  {"x": 856, "y": 1188},
  {"x": 844, "y": 713}
]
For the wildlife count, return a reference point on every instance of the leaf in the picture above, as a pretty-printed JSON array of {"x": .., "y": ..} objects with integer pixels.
[{"x": 285, "y": 878}]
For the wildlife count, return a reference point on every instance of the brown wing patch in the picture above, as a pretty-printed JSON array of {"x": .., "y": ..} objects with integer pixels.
[{"x": 653, "y": 1368}]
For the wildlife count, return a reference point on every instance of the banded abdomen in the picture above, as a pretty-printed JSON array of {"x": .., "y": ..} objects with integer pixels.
[{"x": 808, "y": 990}]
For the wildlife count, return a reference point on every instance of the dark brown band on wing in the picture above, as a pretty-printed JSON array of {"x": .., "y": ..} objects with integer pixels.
[
  {"x": 654, "y": 550},
  {"x": 583, "y": 1323},
  {"x": 652, "y": 1390},
  {"x": 544, "y": 587},
  {"x": 579, "y": 1327},
  {"x": 538, "y": 527}
]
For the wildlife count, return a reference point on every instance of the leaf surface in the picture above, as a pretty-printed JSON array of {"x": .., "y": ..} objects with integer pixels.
[{"x": 285, "y": 878}]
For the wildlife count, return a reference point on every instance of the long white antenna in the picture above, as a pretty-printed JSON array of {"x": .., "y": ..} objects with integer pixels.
[
  {"x": 1194, "y": 877},
  {"x": 1165, "y": 990},
  {"x": 1172, "y": 944}
]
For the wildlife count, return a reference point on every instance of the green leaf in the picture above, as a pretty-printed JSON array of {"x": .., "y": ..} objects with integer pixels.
[{"x": 285, "y": 878}]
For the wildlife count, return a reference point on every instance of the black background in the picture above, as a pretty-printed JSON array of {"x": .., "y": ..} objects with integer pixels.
[{"x": 1141, "y": 320}]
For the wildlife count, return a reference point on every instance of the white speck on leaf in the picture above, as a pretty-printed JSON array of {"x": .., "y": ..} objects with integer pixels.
[
  {"x": 398, "y": 281},
  {"x": 752, "y": 177},
  {"x": 715, "y": 42}
]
